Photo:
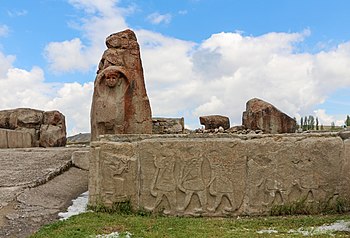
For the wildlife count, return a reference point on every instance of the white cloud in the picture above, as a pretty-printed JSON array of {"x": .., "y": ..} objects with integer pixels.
[
  {"x": 17, "y": 13},
  {"x": 183, "y": 78},
  {"x": 4, "y": 30},
  {"x": 22, "y": 88},
  {"x": 103, "y": 18},
  {"x": 327, "y": 120},
  {"x": 157, "y": 18}
]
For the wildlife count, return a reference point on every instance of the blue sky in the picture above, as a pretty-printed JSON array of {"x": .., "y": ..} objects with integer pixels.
[{"x": 199, "y": 56}]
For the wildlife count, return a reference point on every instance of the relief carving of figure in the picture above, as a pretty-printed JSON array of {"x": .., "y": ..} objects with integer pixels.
[
  {"x": 192, "y": 182},
  {"x": 114, "y": 181},
  {"x": 221, "y": 185},
  {"x": 110, "y": 90},
  {"x": 164, "y": 184}
]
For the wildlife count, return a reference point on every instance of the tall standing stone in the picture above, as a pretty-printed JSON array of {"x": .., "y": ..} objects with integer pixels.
[
  {"x": 120, "y": 103},
  {"x": 261, "y": 115}
]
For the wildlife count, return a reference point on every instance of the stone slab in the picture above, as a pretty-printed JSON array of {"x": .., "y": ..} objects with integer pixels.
[
  {"x": 3, "y": 138},
  {"x": 28, "y": 167},
  {"x": 14, "y": 139},
  {"x": 81, "y": 159},
  {"x": 217, "y": 175}
]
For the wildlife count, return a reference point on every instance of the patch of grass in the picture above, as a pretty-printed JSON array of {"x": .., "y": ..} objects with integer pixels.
[
  {"x": 304, "y": 207},
  {"x": 91, "y": 224},
  {"x": 117, "y": 207}
]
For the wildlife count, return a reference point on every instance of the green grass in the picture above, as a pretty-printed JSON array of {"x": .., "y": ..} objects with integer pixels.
[{"x": 90, "y": 224}]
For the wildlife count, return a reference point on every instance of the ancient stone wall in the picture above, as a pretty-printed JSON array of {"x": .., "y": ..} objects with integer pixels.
[
  {"x": 15, "y": 139},
  {"x": 45, "y": 128},
  {"x": 217, "y": 175}
]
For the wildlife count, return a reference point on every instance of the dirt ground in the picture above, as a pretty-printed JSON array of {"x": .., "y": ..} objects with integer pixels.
[{"x": 35, "y": 185}]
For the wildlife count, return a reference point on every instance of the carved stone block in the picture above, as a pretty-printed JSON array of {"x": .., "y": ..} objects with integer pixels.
[{"x": 218, "y": 175}]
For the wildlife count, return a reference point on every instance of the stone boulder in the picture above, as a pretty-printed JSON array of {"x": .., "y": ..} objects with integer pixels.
[
  {"x": 168, "y": 125},
  {"x": 215, "y": 121},
  {"x": 261, "y": 115},
  {"x": 120, "y": 103},
  {"x": 47, "y": 129}
]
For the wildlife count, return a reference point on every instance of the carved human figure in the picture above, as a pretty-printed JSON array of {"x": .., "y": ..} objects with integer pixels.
[
  {"x": 191, "y": 182},
  {"x": 164, "y": 184},
  {"x": 114, "y": 181},
  {"x": 221, "y": 185},
  {"x": 110, "y": 91}
]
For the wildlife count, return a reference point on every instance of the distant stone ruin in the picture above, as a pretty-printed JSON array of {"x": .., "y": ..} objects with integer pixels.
[
  {"x": 120, "y": 104},
  {"x": 25, "y": 127},
  {"x": 261, "y": 115}
]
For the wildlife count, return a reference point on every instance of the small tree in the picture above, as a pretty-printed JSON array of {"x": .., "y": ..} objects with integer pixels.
[
  {"x": 311, "y": 123},
  {"x": 322, "y": 128},
  {"x": 301, "y": 123},
  {"x": 296, "y": 123},
  {"x": 305, "y": 124},
  {"x": 347, "y": 121},
  {"x": 317, "y": 128}
]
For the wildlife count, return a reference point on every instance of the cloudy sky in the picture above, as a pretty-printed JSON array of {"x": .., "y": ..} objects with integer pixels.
[{"x": 200, "y": 57}]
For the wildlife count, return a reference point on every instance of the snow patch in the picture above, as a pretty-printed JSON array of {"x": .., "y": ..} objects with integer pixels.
[{"x": 79, "y": 206}]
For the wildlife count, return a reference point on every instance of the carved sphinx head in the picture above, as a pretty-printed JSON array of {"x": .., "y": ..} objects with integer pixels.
[{"x": 113, "y": 77}]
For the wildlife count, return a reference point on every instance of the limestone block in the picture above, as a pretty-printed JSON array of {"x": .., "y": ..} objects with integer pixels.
[
  {"x": 113, "y": 174},
  {"x": 81, "y": 159},
  {"x": 220, "y": 174},
  {"x": 286, "y": 169},
  {"x": 14, "y": 139},
  {"x": 167, "y": 125},
  {"x": 27, "y": 140},
  {"x": 3, "y": 138}
]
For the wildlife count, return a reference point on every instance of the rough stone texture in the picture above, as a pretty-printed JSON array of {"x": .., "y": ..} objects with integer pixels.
[
  {"x": 47, "y": 129},
  {"x": 261, "y": 115},
  {"x": 15, "y": 139},
  {"x": 168, "y": 125},
  {"x": 214, "y": 122},
  {"x": 345, "y": 134},
  {"x": 81, "y": 159},
  {"x": 3, "y": 138},
  {"x": 120, "y": 104},
  {"x": 225, "y": 174}
]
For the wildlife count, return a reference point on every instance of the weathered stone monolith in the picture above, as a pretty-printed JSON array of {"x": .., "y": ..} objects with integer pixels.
[
  {"x": 261, "y": 115},
  {"x": 120, "y": 104}
]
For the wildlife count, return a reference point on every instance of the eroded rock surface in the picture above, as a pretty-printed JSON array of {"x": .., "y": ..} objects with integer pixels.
[
  {"x": 261, "y": 115},
  {"x": 120, "y": 104}
]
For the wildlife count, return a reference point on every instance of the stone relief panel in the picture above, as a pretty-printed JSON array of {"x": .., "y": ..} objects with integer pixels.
[
  {"x": 218, "y": 176},
  {"x": 282, "y": 173},
  {"x": 114, "y": 175},
  {"x": 191, "y": 179}
]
